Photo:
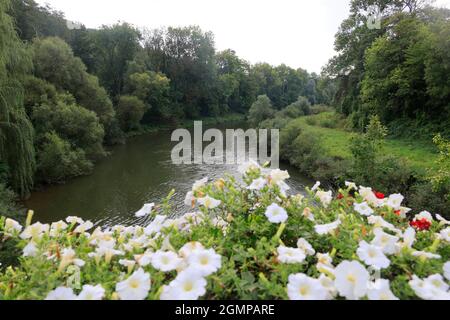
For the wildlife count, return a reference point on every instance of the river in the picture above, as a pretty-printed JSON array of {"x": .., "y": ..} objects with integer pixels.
[{"x": 141, "y": 171}]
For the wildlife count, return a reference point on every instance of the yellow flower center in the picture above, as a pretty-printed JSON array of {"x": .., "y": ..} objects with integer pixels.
[
  {"x": 188, "y": 286},
  {"x": 204, "y": 260},
  {"x": 351, "y": 278},
  {"x": 304, "y": 290},
  {"x": 134, "y": 283}
]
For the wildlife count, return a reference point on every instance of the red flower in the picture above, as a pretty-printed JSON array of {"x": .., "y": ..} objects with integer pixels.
[
  {"x": 379, "y": 195},
  {"x": 398, "y": 212},
  {"x": 421, "y": 224},
  {"x": 340, "y": 196}
]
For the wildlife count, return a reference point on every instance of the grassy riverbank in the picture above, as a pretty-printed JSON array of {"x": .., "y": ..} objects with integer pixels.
[{"x": 420, "y": 154}]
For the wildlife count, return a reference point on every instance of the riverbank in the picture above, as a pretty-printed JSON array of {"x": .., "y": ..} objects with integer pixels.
[{"x": 321, "y": 148}]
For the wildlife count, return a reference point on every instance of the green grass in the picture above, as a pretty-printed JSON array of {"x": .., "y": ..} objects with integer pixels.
[{"x": 421, "y": 155}]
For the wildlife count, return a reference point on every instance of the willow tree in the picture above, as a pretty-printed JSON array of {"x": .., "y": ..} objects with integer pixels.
[{"x": 16, "y": 131}]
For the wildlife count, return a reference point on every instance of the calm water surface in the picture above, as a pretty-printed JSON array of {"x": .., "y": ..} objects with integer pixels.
[{"x": 136, "y": 173}]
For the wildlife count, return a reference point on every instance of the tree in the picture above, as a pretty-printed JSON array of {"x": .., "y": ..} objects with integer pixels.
[
  {"x": 115, "y": 47},
  {"x": 16, "y": 131},
  {"x": 33, "y": 20},
  {"x": 152, "y": 88},
  {"x": 59, "y": 161},
  {"x": 299, "y": 108},
  {"x": 72, "y": 123},
  {"x": 130, "y": 111},
  {"x": 55, "y": 62},
  {"x": 260, "y": 110}
]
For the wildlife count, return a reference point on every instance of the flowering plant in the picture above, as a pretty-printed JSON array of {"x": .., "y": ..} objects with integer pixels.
[{"x": 241, "y": 239}]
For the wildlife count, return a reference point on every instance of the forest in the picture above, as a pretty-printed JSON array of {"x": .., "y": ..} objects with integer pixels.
[
  {"x": 372, "y": 129},
  {"x": 69, "y": 92}
]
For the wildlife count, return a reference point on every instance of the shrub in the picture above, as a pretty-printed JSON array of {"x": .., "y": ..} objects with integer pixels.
[
  {"x": 240, "y": 240},
  {"x": 130, "y": 111},
  {"x": 260, "y": 110}
]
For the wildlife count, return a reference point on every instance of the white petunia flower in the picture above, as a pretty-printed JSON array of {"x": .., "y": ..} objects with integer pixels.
[
  {"x": 368, "y": 196},
  {"x": 127, "y": 263},
  {"x": 302, "y": 287},
  {"x": 257, "y": 184},
  {"x": 395, "y": 201},
  {"x": 57, "y": 227},
  {"x": 384, "y": 240},
  {"x": 372, "y": 255},
  {"x": 290, "y": 255},
  {"x": 426, "y": 255},
  {"x": 276, "y": 214},
  {"x": 144, "y": 259},
  {"x": 351, "y": 279},
  {"x": 327, "y": 228},
  {"x": 315, "y": 186},
  {"x": 155, "y": 226},
  {"x": 442, "y": 220},
  {"x": 189, "y": 200},
  {"x": 445, "y": 234},
  {"x": 351, "y": 185},
  {"x": 61, "y": 293},
  {"x": 188, "y": 285},
  {"x": 145, "y": 210},
  {"x": 363, "y": 208},
  {"x": 91, "y": 292},
  {"x": 325, "y": 197},
  {"x": 135, "y": 287},
  {"x": 12, "y": 227},
  {"x": 248, "y": 166},
  {"x": 328, "y": 284},
  {"x": 446, "y": 270},
  {"x": 74, "y": 219},
  {"x": 380, "y": 290},
  {"x": 82, "y": 228},
  {"x": 68, "y": 257},
  {"x": 206, "y": 261},
  {"x": 30, "y": 250},
  {"x": 324, "y": 263},
  {"x": 35, "y": 231},
  {"x": 431, "y": 288},
  {"x": 199, "y": 184},
  {"x": 186, "y": 250},
  {"x": 424, "y": 215},
  {"x": 277, "y": 176},
  {"x": 165, "y": 260},
  {"x": 379, "y": 222},
  {"x": 409, "y": 237},
  {"x": 208, "y": 202},
  {"x": 305, "y": 246}
]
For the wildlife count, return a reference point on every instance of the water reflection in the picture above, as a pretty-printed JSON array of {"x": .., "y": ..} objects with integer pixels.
[{"x": 136, "y": 173}]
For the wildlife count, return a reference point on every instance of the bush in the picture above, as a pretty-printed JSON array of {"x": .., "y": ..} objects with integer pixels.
[
  {"x": 8, "y": 199},
  {"x": 72, "y": 123},
  {"x": 130, "y": 111},
  {"x": 260, "y": 110},
  {"x": 243, "y": 240},
  {"x": 58, "y": 161}
]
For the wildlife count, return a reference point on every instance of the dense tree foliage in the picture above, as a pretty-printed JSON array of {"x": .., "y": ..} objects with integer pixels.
[
  {"x": 16, "y": 131},
  {"x": 400, "y": 71}
]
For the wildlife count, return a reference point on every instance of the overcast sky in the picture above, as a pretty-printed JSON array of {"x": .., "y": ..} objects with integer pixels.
[{"x": 299, "y": 33}]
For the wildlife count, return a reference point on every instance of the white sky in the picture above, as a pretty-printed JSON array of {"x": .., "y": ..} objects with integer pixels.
[{"x": 299, "y": 33}]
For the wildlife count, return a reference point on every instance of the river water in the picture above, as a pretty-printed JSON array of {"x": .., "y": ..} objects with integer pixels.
[{"x": 138, "y": 172}]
